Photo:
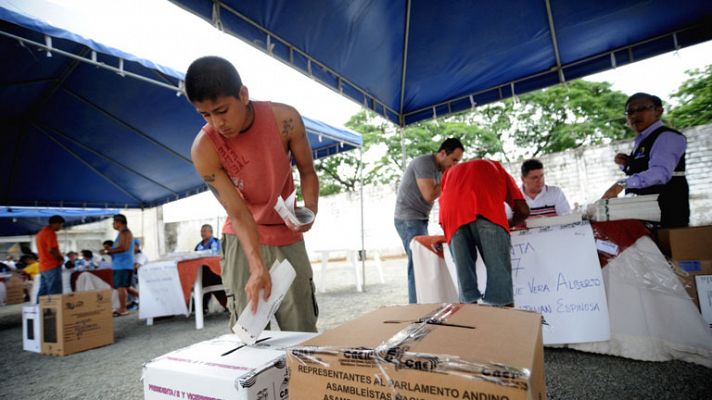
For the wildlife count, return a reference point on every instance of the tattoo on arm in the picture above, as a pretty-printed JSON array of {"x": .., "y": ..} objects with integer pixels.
[
  {"x": 287, "y": 126},
  {"x": 209, "y": 178}
]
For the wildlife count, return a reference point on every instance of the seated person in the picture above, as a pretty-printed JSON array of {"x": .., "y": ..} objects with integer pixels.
[
  {"x": 86, "y": 262},
  {"x": 71, "y": 260},
  {"x": 543, "y": 200},
  {"x": 208, "y": 241},
  {"x": 32, "y": 266},
  {"x": 105, "y": 261}
]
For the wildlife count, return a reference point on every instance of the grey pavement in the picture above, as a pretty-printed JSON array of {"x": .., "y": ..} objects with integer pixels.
[{"x": 114, "y": 372}]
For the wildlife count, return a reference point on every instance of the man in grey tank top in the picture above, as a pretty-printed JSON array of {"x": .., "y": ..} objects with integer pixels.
[{"x": 419, "y": 187}]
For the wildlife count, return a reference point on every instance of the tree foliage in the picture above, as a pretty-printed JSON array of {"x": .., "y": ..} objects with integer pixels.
[
  {"x": 559, "y": 118},
  {"x": 554, "y": 119},
  {"x": 695, "y": 99}
]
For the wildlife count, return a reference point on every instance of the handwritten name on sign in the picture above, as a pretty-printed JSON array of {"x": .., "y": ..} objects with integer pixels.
[
  {"x": 555, "y": 272},
  {"x": 161, "y": 293}
]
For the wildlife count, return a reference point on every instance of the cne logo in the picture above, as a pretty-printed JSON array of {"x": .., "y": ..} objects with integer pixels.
[
  {"x": 427, "y": 364},
  {"x": 395, "y": 353}
]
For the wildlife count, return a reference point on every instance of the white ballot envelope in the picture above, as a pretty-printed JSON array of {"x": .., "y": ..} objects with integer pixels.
[
  {"x": 249, "y": 326},
  {"x": 295, "y": 216}
]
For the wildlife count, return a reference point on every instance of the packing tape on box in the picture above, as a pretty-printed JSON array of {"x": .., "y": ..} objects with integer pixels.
[{"x": 393, "y": 352}]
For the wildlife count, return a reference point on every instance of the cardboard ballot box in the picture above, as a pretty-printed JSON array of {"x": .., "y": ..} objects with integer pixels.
[
  {"x": 31, "y": 329},
  {"x": 15, "y": 293},
  {"x": 76, "y": 322},
  {"x": 691, "y": 251},
  {"x": 428, "y": 351},
  {"x": 224, "y": 368}
]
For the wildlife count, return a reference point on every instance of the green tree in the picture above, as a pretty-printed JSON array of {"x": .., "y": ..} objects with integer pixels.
[
  {"x": 558, "y": 118},
  {"x": 695, "y": 99},
  {"x": 423, "y": 138},
  {"x": 554, "y": 119},
  {"x": 341, "y": 172}
]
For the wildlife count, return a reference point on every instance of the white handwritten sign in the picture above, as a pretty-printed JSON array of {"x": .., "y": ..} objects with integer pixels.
[
  {"x": 160, "y": 289},
  {"x": 556, "y": 272}
]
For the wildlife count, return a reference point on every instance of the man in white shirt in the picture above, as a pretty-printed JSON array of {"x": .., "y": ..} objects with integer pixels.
[{"x": 543, "y": 200}]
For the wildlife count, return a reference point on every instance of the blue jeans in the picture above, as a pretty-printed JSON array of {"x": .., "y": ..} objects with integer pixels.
[
  {"x": 494, "y": 244},
  {"x": 50, "y": 282},
  {"x": 407, "y": 230}
]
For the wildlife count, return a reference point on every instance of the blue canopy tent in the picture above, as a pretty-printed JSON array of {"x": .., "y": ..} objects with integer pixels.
[
  {"x": 86, "y": 125},
  {"x": 410, "y": 60},
  {"x": 15, "y": 221}
]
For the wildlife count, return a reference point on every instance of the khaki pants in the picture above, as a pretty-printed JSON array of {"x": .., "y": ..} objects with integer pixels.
[{"x": 298, "y": 311}]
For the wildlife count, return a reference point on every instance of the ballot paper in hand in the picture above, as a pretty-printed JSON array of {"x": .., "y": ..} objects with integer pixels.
[
  {"x": 295, "y": 216},
  {"x": 249, "y": 326}
]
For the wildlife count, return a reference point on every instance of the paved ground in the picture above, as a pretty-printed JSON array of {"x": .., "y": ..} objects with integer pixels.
[{"x": 114, "y": 372}]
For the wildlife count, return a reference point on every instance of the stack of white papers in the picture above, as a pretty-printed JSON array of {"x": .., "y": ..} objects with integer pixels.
[
  {"x": 557, "y": 220},
  {"x": 644, "y": 207},
  {"x": 296, "y": 216}
]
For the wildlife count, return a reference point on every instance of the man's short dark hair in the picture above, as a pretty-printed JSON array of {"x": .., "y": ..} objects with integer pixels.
[
  {"x": 450, "y": 145},
  {"x": 109, "y": 243},
  {"x": 56, "y": 219},
  {"x": 121, "y": 218},
  {"x": 640, "y": 95},
  {"x": 531, "y": 165},
  {"x": 87, "y": 253},
  {"x": 207, "y": 226},
  {"x": 211, "y": 77}
]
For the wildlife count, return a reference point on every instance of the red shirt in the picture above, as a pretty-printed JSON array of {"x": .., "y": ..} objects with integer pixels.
[
  {"x": 476, "y": 188},
  {"x": 261, "y": 170},
  {"x": 47, "y": 239}
]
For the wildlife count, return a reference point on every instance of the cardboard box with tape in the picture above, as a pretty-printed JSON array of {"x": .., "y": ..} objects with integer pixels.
[
  {"x": 76, "y": 322},
  {"x": 691, "y": 251},
  {"x": 428, "y": 351},
  {"x": 224, "y": 368}
]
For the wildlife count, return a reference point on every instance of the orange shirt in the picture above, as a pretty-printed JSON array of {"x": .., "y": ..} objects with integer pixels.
[
  {"x": 260, "y": 169},
  {"x": 476, "y": 188},
  {"x": 47, "y": 239}
]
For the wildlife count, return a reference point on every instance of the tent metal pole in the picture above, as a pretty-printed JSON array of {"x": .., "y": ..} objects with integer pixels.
[
  {"x": 554, "y": 42},
  {"x": 627, "y": 48},
  {"x": 406, "y": 36},
  {"x": 401, "y": 130},
  {"x": 363, "y": 235},
  {"x": 89, "y": 61},
  {"x": 290, "y": 58}
]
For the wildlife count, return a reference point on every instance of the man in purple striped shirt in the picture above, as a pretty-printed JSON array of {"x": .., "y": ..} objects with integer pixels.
[{"x": 657, "y": 163}]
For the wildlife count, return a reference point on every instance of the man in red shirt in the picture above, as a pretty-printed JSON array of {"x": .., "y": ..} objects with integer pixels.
[
  {"x": 51, "y": 259},
  {"x": 473, "y": 218}
]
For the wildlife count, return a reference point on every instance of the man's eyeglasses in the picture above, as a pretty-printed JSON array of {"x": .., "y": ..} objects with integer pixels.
[{"x": 632, "y": 111}]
